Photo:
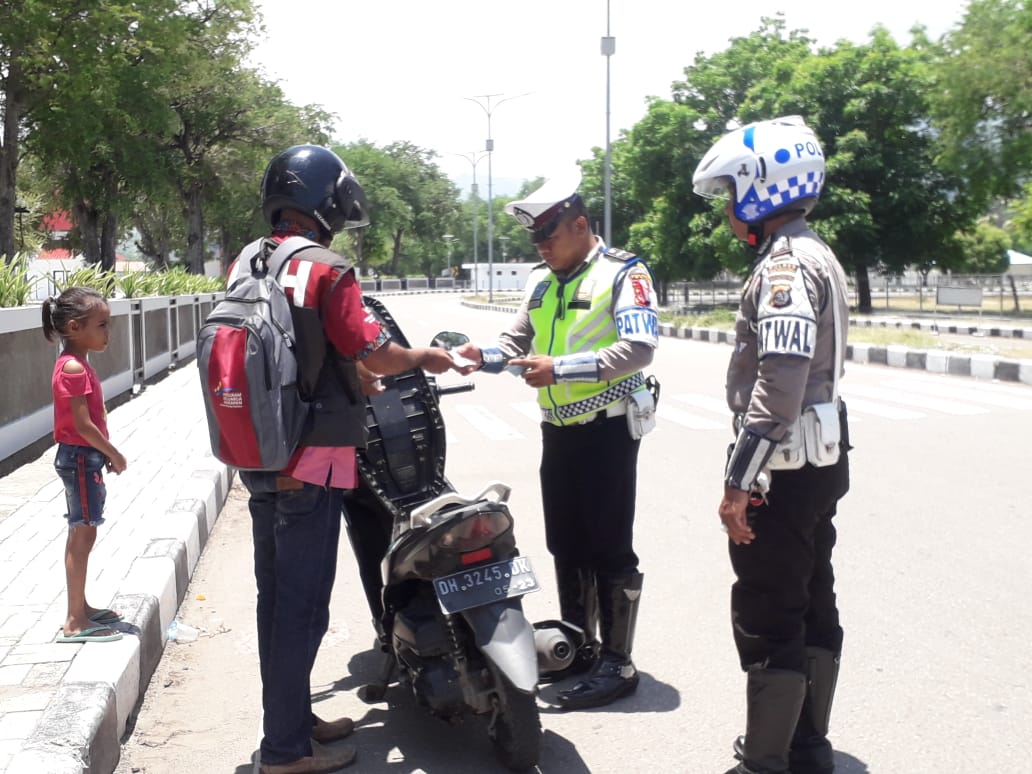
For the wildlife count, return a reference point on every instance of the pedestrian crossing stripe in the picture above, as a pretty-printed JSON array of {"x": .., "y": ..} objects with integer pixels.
[
  {"x": 911, "y": 399},
  {"x": 965, "y": 393}
]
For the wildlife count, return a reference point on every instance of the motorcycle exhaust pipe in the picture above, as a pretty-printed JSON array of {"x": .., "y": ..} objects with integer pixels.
[{"x": 556, "y": 643}]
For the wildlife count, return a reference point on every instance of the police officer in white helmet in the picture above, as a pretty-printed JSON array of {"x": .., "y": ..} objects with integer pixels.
[{"x": 788, "y": 466}]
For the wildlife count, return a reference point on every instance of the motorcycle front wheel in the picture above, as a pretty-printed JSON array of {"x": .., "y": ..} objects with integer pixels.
[{"x": 516, "y": 731}]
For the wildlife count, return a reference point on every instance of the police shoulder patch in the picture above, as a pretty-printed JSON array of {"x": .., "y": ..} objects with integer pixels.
[{"x": 618, "y": 254}]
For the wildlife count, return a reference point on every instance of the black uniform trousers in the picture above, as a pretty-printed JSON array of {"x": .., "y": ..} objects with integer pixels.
[
  {"x": 588, "y": 480},
  {"x": 784, "y": 598}
]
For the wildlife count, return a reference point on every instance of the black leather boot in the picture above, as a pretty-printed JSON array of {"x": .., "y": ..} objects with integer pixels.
[
  {"x": 614, "y": 674},
  {"x": 811, "y": 751},
  {"x": 578, "y": 605},
  {"x": 774, "y": 698}
]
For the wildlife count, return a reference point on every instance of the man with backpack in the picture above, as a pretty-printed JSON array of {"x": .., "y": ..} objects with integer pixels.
[{"x": 309, "y": 192}]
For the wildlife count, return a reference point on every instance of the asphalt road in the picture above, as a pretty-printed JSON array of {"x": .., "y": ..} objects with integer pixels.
[{"x": 932, "y": 575}]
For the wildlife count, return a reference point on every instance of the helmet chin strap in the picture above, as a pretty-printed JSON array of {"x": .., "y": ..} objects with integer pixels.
[{"x": 755, "y": 235}]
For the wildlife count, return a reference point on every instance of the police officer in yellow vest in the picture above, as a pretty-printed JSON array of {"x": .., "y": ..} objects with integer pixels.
[{"x": 586, "y": 328}]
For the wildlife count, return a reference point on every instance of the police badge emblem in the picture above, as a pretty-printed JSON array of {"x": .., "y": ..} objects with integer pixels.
[{"x": 780, "y": 296}]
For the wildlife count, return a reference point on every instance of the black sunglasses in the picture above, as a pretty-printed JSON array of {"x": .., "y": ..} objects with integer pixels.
[{"x": 545, "y": 232}]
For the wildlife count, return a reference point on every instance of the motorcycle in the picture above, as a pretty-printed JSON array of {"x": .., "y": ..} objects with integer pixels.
[{"x": 441, "y": 571}]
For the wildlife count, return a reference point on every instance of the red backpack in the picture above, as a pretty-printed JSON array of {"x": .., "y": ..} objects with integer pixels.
[{"x": 247, "y": 357}]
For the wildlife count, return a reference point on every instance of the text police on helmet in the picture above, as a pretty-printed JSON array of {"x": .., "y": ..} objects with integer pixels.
[{"x": 775, "y": 166}]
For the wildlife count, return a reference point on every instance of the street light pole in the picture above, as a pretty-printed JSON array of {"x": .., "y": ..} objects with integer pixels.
[
  {"x": 608, "y": 49},
  {"x": 489, "y": 149},
  {"x": 450, "y": 239},
  {"x": 473, "y": 160}
]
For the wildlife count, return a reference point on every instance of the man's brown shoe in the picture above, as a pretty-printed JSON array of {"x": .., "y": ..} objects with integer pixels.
[
  {"x": 323, "y": 760},
  {"x": 326, "y": 731}
]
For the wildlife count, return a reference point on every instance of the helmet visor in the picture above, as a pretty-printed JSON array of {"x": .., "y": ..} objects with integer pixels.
[
  {"x": 714, "y": 187},
  {"x": 351, "y": 202}
]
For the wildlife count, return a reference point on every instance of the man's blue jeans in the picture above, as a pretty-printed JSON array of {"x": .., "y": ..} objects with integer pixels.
[{"x": 296, "y": 533}]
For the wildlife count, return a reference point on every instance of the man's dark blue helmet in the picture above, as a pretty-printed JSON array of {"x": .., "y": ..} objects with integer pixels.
[{"x": 314, "y": 180}]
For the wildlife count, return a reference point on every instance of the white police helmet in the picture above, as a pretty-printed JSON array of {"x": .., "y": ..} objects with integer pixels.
[
  {"x": 775, "y": 166},
  {"x": 541, "y": 211}
]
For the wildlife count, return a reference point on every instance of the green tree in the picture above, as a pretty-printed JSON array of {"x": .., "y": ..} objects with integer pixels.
[
  {"x": 1022, "y": 222},
  {"x": 30, "y": 31},
  {"x": 680, "y": 233},
  {"x": 888, "y": 203},
  {"x": 982, "y": 97},
  {"x": 412, "y": 204},
  {"x": 84, "y": 126},
  {"x": 985, "y": 249}
]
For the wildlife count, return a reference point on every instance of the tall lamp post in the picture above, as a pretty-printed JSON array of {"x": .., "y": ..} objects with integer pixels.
[
  {"x": 489, "y": 149},
  {"x": 449, "y": 240},
  {"x": 473, "y": 158},
  {"x": 608, "y": 49}
]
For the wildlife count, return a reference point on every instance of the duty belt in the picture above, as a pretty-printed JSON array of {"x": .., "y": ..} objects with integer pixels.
[{"x": 596, "y": 402}]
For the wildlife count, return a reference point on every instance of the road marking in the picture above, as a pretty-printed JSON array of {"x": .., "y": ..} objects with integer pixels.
[
  {"x": 530, "y": 410},
  {"x": 894, "y": 399},
  {"x": 911, "y": 399},
  {"x": 487, "y": 423},
  {"x": 707, "y": 402},
  {"x": 879, "y": 410},
  {"x": 689, "y": 420},
  {"x": 980, "y": 393}
]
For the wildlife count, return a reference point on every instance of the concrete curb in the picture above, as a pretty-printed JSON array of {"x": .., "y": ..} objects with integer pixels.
[
  {"x": 935, "y": 361},
  {"x": 81, "y": 728}
]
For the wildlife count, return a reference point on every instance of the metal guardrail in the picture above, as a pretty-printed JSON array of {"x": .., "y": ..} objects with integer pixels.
[{"x": 148, "y": 337}]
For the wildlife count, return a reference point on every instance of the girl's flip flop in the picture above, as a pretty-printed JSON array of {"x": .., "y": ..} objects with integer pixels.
[
  {"x": 93, "y": 634},
  {"x": 106, "y": 616}
]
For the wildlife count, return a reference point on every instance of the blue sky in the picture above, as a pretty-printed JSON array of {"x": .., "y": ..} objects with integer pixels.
[{"x": 403, "y": 69}]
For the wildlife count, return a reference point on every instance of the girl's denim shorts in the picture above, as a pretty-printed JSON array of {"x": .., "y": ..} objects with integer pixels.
[{"x": 81, "y": 468}]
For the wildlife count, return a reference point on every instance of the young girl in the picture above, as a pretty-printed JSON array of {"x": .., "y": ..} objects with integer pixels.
[{"x": 79, "y": 317}]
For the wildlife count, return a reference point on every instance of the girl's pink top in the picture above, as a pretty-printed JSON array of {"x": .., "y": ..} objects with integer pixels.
[{"x": 68, "y": 386}]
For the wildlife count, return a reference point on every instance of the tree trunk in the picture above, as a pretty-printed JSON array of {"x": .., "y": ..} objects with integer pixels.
[
  {"x": 1014, "y": 292},
  {"x": 395, "y": 253},
  {"x": 226, "y": 252},
  {"x": 13, "y": 105},
  {"x": 863, "y": 289},
  {"x": 86, "y": 221},
  {"x": 108, "y": 242},
  {"x": 195, "y": 230}
]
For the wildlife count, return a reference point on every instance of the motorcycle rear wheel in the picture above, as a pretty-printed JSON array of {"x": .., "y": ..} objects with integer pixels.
[{"x": 516, "y": 732}]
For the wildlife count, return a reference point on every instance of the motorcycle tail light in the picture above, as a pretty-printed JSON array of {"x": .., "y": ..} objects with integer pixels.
[
  {"x": 474, "y": 533},
  {"x": 477, "y": 556}
]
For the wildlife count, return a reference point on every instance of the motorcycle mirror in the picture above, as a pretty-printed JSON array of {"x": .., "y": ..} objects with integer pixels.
[{"x": 449, "y": 340}]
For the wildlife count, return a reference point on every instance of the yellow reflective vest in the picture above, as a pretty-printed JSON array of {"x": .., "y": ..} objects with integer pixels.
[{"x": 574, "y": 315}]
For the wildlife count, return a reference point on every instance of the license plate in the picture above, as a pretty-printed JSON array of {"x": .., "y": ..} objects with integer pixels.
[{"x": 485, "y": 584}]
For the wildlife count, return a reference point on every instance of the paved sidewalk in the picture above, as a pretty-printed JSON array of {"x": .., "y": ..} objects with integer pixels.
[{"x": 64, "y": 707}]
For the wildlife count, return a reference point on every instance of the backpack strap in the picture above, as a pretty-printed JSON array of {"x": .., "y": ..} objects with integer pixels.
[
  {"x": 254, "y": 257},
  {"x": 286, "y": 250}
]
